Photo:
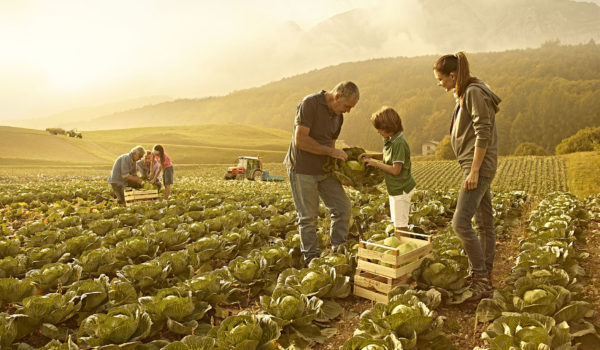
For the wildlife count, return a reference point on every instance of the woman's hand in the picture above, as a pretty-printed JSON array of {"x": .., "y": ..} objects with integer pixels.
[{"x": 471, "y": 180}]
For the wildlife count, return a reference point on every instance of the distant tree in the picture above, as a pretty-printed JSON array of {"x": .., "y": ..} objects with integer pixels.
[
  {"x": 444, "y": 149},
  {"x": 582, "y": 141},
  {"x": 529, "y": 149}
]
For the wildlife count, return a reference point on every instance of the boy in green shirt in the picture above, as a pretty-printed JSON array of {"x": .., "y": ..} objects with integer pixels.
[{"x": 395, "y": 163}]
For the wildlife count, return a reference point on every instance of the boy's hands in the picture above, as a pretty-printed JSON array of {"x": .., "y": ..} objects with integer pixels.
[{"x": 370, "y": 162}]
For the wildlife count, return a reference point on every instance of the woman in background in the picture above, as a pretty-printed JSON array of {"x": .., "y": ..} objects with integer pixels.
[{"x": 166, "y": 168}]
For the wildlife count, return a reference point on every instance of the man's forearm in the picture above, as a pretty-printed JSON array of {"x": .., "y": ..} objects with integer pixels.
[
  {"x": 308, "y": 144},
  {"x": 131, "y": 178}
]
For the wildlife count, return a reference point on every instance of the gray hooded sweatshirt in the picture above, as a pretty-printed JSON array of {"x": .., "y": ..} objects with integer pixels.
[{"x": 474, "y": 125}]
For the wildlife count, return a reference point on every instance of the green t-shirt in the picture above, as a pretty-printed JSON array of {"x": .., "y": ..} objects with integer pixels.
[{"x": 396, "y": 150}]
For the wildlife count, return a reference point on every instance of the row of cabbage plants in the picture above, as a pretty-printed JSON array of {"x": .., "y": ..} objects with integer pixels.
[{"x": 542, "y": 305}]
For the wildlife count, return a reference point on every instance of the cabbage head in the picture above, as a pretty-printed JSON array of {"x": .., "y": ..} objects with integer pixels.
[
  {"x": 353, "y": 172},
  {"x": 286, "y": 303},
  {"x": 192, "y": 342},
  {"x": 314, "y": 281},
  {"x": 52, "y": 275},
  {"x": 93, "y": 292},
  {"x": 13, "y": 267},
  {"x": 246, "y": 270},
  {"x": 53, "y": 308},
  {"x": 120, "y": 325},
  {"x": 102, "y": 226},
  {"x": 246, "y": 331},
  {"x": 14, "y": 290},
  {"x": 8, "y": 330},
  {"x": 10, "y": 247}
]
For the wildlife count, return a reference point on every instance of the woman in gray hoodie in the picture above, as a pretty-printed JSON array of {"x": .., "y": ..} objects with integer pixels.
[{"x": 475, "y": 143}]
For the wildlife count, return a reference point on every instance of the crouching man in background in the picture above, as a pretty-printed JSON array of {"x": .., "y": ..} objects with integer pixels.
[{"x": 124, "y": 173}]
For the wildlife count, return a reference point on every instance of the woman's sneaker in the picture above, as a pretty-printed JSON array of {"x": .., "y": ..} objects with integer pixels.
[{"x": 481, "y": 287}]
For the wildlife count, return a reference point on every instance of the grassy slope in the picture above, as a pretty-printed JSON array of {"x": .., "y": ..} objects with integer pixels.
[
  {"x": 582, "y": 173},
  {"x": 205, "y": 144}
]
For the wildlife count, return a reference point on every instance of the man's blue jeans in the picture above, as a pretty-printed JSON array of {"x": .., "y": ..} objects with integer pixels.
[
  {"x": 478, "y": 203},
  {"x": 306, "y": 190}
]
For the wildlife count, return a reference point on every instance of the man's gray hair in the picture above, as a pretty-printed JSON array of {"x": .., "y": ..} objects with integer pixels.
[
  {"x": 138, "y": 150},
  {"x": 346, "y": 89}
]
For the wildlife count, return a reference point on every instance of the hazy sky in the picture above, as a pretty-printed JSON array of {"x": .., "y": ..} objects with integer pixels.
[{"x": 60, "y": 54}]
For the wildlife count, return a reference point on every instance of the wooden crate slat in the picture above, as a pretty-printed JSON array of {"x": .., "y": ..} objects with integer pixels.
[
  {"x": 424, "y": 248},
  {"x": 137, "y": 196},
  {"x": 391, "y": 272},
  {"x": 382, "y": 284},
  {"x": 142, "y": 196},
  {"x": 370, "y": 294}
]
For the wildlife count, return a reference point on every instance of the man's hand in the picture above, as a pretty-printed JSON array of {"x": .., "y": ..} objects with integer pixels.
[
  {"x": 339, "y": 154},
  {"x": 471, "y": 180}
]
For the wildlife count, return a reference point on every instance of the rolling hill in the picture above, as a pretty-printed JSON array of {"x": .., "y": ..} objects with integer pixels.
[
  {"x": 539, "y": 88},
  {"x": 201, "y": 144}
]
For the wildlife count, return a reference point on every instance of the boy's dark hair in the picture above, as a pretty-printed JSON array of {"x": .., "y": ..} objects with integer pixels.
[{"x": 388, "y": 120}]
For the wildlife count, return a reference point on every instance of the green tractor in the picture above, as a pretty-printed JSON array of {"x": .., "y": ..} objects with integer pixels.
[{"x": 250, "y": 168}]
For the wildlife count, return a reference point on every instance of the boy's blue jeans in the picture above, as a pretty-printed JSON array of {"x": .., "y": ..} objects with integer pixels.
[
  {"x": 306, "y": 190},
  {"x": 478, "y": 203}
]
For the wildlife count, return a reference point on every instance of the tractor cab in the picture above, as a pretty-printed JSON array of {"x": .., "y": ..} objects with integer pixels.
[{"x": 247, "y": 168}]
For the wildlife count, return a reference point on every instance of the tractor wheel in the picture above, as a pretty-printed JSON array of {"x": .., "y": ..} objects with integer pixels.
[{"x": 257, "y": 175}]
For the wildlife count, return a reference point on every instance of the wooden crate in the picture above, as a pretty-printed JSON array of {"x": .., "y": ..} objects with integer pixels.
[
  {"x": 372, "y": 261},
  {"x": 133, "y": 196},
  {"x": 375, "y": 287}
]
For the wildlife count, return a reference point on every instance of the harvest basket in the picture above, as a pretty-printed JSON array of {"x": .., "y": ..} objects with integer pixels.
[
  {"x": 134, "y": 196},
  {"x": 372, "y": 261}
]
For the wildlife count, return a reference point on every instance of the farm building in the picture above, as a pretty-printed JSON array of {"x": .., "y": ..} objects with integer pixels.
[{"x": 428, "y": 148}]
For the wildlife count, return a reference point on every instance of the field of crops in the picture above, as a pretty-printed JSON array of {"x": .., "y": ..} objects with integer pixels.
[
  {"x": 218, "y": 266},
  {"x": 535, "y": 175}
]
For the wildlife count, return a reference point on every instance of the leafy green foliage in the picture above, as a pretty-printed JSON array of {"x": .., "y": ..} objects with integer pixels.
[
  {"x": 444, "y": 150},
  {"x": 246, "y": 331},
  {"x": 352, "y": 172},
  {"x": 584, "y": 140},
  {"x": 529, "y": 149},
  {"x": 120, "y": 325}
]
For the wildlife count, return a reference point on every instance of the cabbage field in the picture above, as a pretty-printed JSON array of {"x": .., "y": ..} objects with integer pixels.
[{"x": 218, "y": 266}]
